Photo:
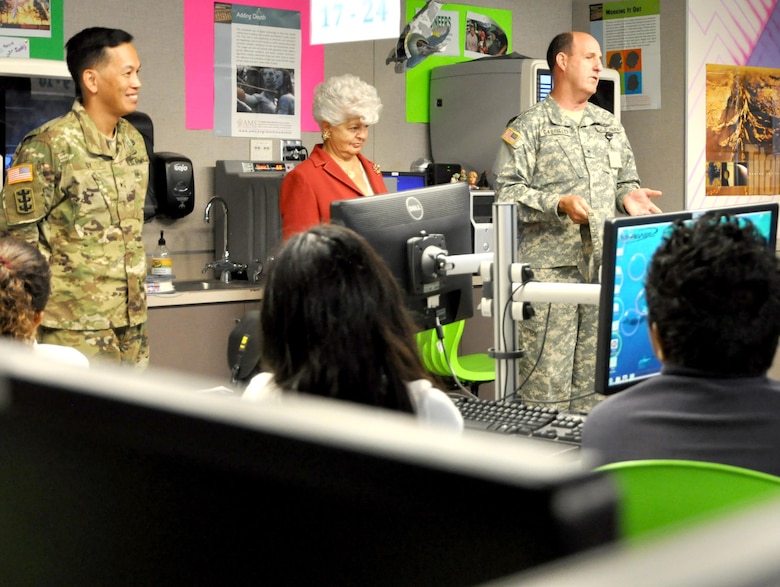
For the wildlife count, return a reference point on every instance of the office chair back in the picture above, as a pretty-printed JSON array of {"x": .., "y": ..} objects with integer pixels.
[
  {"x": 657, "y": 495},
  {"x": 472, "y": 368}
]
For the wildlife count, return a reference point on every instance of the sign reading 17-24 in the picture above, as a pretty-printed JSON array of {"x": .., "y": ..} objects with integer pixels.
[{"x": 339, "y": 21}]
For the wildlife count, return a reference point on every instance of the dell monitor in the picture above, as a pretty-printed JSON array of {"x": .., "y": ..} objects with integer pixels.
[
  {"x": 389, "y": 221},
  {"x": 624, "y": 355}
]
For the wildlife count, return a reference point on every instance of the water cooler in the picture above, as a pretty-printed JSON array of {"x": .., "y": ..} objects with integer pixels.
[{"x": 251, "y": 191}]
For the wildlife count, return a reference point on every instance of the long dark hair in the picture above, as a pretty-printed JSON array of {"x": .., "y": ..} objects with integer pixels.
[{"x": 334, "y": 323}]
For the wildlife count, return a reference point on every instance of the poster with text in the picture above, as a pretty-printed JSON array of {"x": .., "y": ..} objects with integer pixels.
[
  {"x": 629, "y": 33},
  {"x": 256, "y": 71}
]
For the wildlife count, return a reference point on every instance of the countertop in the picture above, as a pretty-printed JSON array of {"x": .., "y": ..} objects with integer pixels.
[{"x": 188, "y": 295}]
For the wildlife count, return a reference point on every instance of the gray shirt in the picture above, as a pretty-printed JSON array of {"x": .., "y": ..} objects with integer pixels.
[{"x": 683, "y": 414}]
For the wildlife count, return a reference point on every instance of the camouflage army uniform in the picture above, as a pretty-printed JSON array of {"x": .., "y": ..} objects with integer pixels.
[
  {"x": 79, "y": 197},
  {"x": 545, "y": 155}
]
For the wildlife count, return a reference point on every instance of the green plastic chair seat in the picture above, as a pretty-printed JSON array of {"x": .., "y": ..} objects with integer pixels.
[{"x": 658, "y": 495}]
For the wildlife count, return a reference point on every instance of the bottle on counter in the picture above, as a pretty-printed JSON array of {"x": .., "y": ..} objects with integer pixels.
[
  {"x": 160, "y": 278},
  {"x": 162, "y": 263}
]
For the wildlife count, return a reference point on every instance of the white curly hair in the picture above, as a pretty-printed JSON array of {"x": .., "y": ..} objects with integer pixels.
[{"x": 344, "y": 97}]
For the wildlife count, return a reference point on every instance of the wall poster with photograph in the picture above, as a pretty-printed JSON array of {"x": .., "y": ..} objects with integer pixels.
[
  {"x": 732, "y": 149},
  {"x": 256, "y": 71},
  {"x": 742, "y": 141}
]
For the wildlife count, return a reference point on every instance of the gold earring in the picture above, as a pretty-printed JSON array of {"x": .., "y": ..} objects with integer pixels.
[{"x": 325, "y": 135}]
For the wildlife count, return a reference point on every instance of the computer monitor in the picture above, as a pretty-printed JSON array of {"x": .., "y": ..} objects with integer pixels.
[
  {"x": 400, "y": 181},
  {"x": 112, "y": 477},
  {"x": 624, "y": 355},
  {"x": 388, "y": 221},
  {"x": 607, "y": 92}
]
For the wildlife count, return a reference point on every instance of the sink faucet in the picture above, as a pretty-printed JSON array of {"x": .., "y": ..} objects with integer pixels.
[{"x": 224, "y": 265}]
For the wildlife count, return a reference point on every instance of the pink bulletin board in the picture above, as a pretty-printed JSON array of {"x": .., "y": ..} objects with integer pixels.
[{"x": 199, "y": 60}]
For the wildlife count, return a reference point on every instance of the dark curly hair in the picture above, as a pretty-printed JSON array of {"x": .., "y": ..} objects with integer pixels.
[
  {"x": 713, "y": 289},
  {"x": 334, "y": 322},
  {"x": 25, "y": 282}
]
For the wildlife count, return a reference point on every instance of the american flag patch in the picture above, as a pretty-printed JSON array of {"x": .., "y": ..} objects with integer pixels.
[
  {"x": 510, "y": 136},
  {"x": 19, "y": 174}
]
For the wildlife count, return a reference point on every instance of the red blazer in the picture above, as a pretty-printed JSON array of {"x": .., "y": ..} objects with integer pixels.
[{"x": 308, "y": 190}]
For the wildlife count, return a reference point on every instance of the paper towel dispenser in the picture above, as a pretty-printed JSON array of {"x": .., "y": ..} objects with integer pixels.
[{"x": 174, "y": 184}]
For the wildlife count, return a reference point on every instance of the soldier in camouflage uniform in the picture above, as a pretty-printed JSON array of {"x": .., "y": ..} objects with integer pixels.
[
  {"x": 569, "y": 166},
  {"x": 76, "y": 190}
]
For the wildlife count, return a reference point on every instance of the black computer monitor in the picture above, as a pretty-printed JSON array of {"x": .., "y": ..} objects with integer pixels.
[
  {"x": 109, "y": 477},
  {"x": 388, "y": 221},
  {"x": 624, "y": 355},
  {"x": 400, "y": 181}
]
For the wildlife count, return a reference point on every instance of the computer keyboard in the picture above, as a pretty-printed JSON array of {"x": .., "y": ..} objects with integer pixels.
[{"x": 523, "y": 420}]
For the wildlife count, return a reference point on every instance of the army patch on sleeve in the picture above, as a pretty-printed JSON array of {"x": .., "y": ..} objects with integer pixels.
[
  {"x": 25, "y": 203},
  {"x": 510, "y": 136},
  {"x": 19, "y": 174}
]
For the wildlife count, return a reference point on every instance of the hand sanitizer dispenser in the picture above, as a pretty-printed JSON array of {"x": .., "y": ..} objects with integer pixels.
[{"x": 174, "y": 184}]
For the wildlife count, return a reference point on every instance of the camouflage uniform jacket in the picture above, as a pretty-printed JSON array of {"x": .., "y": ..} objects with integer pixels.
[
  {"x": 545, "y": 155},
  {"x": 79, "y": 197}
]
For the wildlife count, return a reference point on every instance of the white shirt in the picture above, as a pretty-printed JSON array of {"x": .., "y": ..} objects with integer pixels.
[
  {"x": 61, "y": 354},
  {"x": 431, "y": 405}
]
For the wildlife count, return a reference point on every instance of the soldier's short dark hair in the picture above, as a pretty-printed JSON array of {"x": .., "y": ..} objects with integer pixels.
[
  {"x": 87, "y": 49},
  {"x": 561, "y": 43}
]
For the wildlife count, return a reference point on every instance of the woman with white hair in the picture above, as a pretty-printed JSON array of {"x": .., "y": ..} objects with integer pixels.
[{"x": 344, "y": 107}]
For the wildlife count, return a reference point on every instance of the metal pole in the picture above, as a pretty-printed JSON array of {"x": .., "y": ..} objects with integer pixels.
[{"x": 505, "y": 342}]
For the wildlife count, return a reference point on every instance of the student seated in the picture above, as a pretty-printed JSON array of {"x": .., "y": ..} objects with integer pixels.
[
  {"x": 713, "y": 297},
  {"x": 25, "y": 283},
  {"x": 333, "y": 323}
]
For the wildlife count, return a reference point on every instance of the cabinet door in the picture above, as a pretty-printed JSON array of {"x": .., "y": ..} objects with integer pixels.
[{"x": 194, "y": 339}]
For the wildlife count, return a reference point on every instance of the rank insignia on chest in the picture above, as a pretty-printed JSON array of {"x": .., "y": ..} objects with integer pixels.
[
  {"x": 510, "y": 136},
  {"x": 19, "y": 174},
  {"x": 25, "y": 204}
]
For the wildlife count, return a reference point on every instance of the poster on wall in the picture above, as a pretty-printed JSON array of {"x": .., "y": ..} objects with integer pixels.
[
  {"x": 742, "y": 149},
  {"x": 31, "y": 29},
  {"x": 256, "y": 71},
  {"x": 629, "y": 33},
  {"x": 732, "y": 146},
  {"x": 459, "y": 20}
]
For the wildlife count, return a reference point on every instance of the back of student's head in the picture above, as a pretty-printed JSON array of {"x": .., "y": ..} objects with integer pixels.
[
  {"x": 713, "y": 288},
  {"x": 24, "y": 288},
  {"x": 334, "y": 323}
]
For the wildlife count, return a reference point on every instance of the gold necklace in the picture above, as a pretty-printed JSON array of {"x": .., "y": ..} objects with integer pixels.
[{"x": 350, "y": 172}]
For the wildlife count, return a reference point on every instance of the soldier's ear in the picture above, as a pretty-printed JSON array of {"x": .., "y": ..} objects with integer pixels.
[{"x": 89, "y": 82}]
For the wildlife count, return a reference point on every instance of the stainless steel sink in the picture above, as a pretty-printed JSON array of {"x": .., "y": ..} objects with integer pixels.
[{"x": 211, "y": 284}]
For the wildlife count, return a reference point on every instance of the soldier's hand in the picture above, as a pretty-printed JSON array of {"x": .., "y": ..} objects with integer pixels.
[
  {"x": 575, "y": 207},
  {"x": 638, "y": 202}
]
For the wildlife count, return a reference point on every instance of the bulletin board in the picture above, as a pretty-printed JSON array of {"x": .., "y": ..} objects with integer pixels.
[
  {"x": 32, "y": 31},
  {"x": 418, "y": 78}
]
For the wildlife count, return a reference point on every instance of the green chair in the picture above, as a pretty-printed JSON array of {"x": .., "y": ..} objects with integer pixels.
[
  {"x": 657, "y": 495},
  {"x": 474, "y": 368}
]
